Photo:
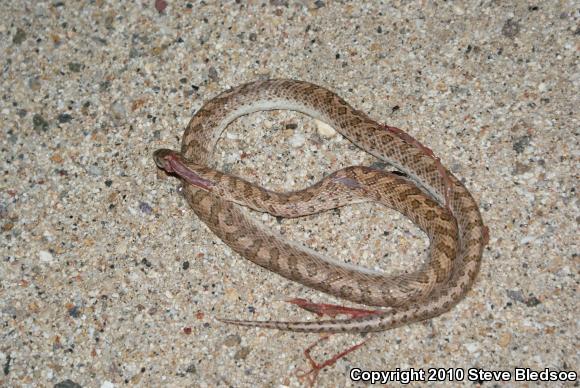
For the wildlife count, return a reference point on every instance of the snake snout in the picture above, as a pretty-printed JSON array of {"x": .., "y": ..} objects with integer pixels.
[{"x": 162, "y": 157}]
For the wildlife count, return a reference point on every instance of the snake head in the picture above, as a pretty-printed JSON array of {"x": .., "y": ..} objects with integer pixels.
[
  {"x": 163, "y": 158},
  {"x": 173, "y": 163}
]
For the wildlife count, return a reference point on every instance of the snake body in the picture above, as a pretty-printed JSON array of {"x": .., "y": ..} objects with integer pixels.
[{"x": 456, "y": 231}]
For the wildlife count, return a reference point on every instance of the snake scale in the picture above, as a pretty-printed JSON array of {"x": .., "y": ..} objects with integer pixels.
[{"x": 427, "y": 193}]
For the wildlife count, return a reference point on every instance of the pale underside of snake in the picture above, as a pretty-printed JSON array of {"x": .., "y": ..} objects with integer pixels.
[{"x": 428, "y": 194}]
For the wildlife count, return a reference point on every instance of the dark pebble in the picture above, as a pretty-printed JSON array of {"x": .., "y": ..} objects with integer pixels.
[
  {"x": 104, "y": 86},
  {"x": 518, "y": 296},
  {"x": 39, "y": 123},
  {"x": 74, "y": 67},
  {"x": 19, "y": 36},
  {"x": 532, "y": 301},
  {"x": 6, "y": 368},
  {"x": 145, "y": 208},
  {"x": 521, "y": 143},
  {"x": 67, "y": 384},
  {"x": 74, "y": 312},
  {"x": 191, "y": 369},
  {"x": 64, "y": 118}
]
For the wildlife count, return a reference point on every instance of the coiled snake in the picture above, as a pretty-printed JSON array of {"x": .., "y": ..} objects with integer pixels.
[{"x": 442, "y": 207}]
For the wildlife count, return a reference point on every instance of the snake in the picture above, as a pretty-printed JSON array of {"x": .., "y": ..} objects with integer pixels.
[{"x": 421, "y": 189}]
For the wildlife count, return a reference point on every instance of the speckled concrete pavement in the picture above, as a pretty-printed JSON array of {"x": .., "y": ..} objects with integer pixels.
[{"x": 108, "y": 279}]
